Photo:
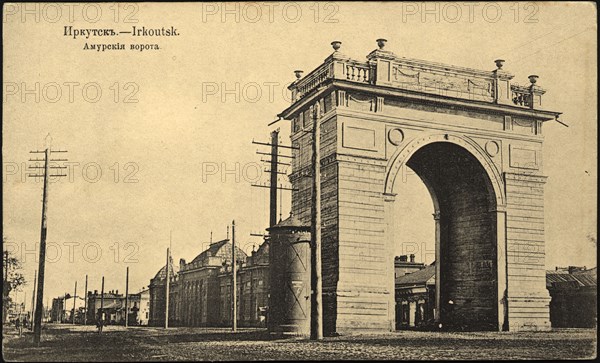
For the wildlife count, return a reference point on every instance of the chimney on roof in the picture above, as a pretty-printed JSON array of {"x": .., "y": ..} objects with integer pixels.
[
  {"x": 95, "y": 292},
  {"x": 412, "y": 258},
  {"x": 572, "y": 269},
  {"x": 403, "y": 258},
  {"x": 116, "y": 292}
]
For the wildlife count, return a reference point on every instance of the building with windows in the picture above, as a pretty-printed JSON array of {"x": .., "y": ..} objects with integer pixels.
[
  {"x": 200, "y": 295},
  {"x": 253, "y": 289},
  {"x": 113, "y": 307},
  {"x": 143, "y": 307},
  {"x": 157, "y": 289},
  {"x": 200, "y": 291},
  {"x": 415, "y": 293}
]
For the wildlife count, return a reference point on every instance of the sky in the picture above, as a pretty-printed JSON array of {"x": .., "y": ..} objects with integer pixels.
[{"x": 160, "y": 140}]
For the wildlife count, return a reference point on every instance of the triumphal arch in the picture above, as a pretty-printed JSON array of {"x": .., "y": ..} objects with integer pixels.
[{"x": 474, "y": 138}]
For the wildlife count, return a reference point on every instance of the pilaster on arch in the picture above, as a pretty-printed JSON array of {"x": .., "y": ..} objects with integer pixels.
[{"x": 401, "y": 157}]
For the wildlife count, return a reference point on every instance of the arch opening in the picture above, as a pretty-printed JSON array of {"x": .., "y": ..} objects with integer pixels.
[{"x": 464, "y": 203}]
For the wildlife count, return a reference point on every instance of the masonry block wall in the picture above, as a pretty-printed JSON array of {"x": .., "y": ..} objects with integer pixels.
[
  {"x": 528, "y": 299},
  {"x": 363, "y": 291}
]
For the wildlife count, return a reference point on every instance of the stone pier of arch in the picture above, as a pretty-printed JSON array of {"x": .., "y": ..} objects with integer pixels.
[{"x": 475, "y": 139}]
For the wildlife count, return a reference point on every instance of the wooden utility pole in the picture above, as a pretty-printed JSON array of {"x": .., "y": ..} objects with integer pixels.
[
  {"x": 85, "y": 306},
  {"x": 23, "y": 303},
  {"x": 168, "y": 277},
  {"x": 127, "y": 297},
  {"x": 33, "y": 299},
  {"x": 5, "y": 291},
  {"x": 6, "y": 266},
  {"x": 64, "y": 308},
  {"x": 273, "y": 178},
  {"x": 273, "y": 170},
  {"x": 102, "y": 304},
  {"x": 234, "y": 280},
  {"x": 74, "y": 303},
  {"x": 316, "y": 316},
  {"x": 37, "y": 331}
]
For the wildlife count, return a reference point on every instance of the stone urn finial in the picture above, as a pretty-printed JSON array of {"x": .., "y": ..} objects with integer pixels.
[
  {"x": 499, "y": 63},
  {"x": 336, "y": 44},
  {"x": 298, "y": 73},
  {"x": 381, "y": 43},
  {"x": 533, "y": 79}
]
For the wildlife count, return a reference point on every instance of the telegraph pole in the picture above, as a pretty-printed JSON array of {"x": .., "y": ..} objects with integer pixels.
[
  {"x": 64, "y": 309},
  {"x": 74, "y": 303},
  {"x": 33, "y": 299},
  {"x": 273, "y": 177},
  {"x": 102, "y": 305},
  {"x": 85, "y": 307},
  {"x": 37, "y": 330},
  {"x": 5, "y": 287},
  {"x": 234, "y": 277},
  {"x": 274, "y": 164},
  {"x": 168, "y": 277},
  {"x": 316, "y": 316},
  {"x": 127, "y": 297}
]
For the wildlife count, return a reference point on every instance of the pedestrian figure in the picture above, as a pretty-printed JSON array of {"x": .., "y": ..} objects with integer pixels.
[
  {"x": 19, "y": 326},
  {"x": 100, "y": 321}
]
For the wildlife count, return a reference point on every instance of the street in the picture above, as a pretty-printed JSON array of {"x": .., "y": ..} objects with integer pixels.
[{"x": 62, "y": 342}]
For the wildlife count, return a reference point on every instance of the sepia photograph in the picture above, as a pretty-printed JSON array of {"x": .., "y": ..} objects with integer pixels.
[{"x": 308, "y": 180}]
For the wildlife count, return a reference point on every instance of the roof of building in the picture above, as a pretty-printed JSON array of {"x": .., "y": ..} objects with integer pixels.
[
  {"x": 219, "y": 249},
  {"x": 561, "y": 278},
  {"x": 161, "y": 274},
  {"x": 420, "y": 277},
  {"x": 112, "y": 305},
  {"x": 290, "y": 222},
  {"x": 259, "y": 256}
]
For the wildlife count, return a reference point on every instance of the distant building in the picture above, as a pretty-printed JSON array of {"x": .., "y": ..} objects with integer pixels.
[
  {"x": 157, "y": 289},
  {"x": 200, "y": 291},
  {"x": 144, "y": 307},
  {"x": 113, "y": 306},
  {"x": 57, "y": 314},
  {"x": 415, "y": 293},
  {"x": 253, "y": 289},
  {"x": 574, "y": 297},
  {"x": 403, "y": 266}
]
